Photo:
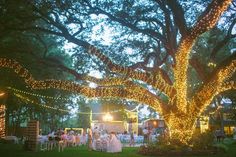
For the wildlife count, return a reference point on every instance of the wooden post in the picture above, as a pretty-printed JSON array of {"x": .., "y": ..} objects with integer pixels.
[
  {"x": 2, "y": 121},
  {"x": 32, "y": 134}
]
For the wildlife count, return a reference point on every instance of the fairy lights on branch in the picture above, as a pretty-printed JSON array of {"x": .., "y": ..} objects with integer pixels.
[
  {"x": 227, "y": 86},
  {"x": 131, "y": 91},
  {"x": 214, "y": 87},
  {"x": 180, "y": 72},
  {"x": 184, "y": 49},
  {"x": 112, "y": 81},
  {"x": 155, "y": 80},
  {"x": 188, "y": 110},
  {"x": 210, "y": 18}
]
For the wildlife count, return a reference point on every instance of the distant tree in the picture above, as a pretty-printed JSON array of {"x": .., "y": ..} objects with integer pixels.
[
  {"x": 35, "y": 51},
  {"x": 232, "y": 108},
  {"x": 84, "y": 115}
]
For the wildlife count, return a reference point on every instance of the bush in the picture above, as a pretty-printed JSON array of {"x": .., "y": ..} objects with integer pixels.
[
  {"x": 6, "y": 141},
  {"x": 170, "y": 150},
  {"x": 201, "y": 144},
  {"x": 203, "y": 140},
  {"x": 221, "y": 147}
]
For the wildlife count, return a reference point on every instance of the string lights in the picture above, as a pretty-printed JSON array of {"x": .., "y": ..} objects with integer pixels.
[
  {"x": 37, "y": 95},
  {"x": 62, "y": 110},
  {"x": 40, "y": 105}
]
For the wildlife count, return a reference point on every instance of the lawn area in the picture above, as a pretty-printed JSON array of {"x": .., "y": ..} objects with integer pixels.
[{"x": 10, "y": 150}]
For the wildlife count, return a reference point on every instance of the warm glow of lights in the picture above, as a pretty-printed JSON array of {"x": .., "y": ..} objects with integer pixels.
[
  {"x": 37, "y": 95},
  {"x": 1, "y": 94},
  {"x": 154, "y": 79},
  {"x": 107, "y": 117},
  {"x": 182, "y": 57},
  {"x": 131, "y": 92},
  {"x": 211, "y": 64},
  {"x": 40, "y": 105},
  {"x": 182, "y": 111},
  {"x": 204, "y": 123},
  {"x": 211, "y": 89}
]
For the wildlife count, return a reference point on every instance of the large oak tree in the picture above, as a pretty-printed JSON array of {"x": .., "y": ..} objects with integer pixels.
[{"x": 154, "y": 47}]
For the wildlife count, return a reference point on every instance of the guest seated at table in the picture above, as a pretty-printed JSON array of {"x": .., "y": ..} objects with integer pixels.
[{"x": 114, "y": 144}]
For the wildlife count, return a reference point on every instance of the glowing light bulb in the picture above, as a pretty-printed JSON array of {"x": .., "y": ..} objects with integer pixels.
[{"x": 107, "y": 117}]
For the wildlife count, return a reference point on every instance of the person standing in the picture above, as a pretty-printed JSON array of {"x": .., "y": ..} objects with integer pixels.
[
  {"x": 90, "y": 140},
  {"x": 114, "y": 145},
  {"x": 145, "y": 135},
  {"x": 131, "y": 143}
]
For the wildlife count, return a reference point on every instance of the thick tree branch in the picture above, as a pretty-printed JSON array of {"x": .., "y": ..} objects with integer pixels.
[
  {"x": 116, "y": 81},
  {"x": 129, "y": 91},
  {"x": 143, "y": 63},
  {"x": 214, "y": 85},
  {"x": 178, "y": 13},
  {"x": 153, "y": 79},
  {"x": 156, "y": 80},
  {"x": 170, "y": 32},
  {"x": 211, "y": 16}
]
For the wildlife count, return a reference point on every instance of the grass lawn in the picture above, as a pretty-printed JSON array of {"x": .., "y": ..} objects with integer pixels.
[{"x": 10, "y": 150}]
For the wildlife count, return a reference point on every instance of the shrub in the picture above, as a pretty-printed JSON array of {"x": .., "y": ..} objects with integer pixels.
[
  {"x": 203, "y": 140},
  {"x": 201, "y": 144},
  {"x": 221, "y": 147}
]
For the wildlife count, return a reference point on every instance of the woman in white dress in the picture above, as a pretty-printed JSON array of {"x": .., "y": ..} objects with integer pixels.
[{"x": 114, "y": 144}]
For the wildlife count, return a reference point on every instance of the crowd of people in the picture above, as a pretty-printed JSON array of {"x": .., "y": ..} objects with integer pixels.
[
  {"x": 62, "y": 139},
  {"x": 92, "y": 138}
]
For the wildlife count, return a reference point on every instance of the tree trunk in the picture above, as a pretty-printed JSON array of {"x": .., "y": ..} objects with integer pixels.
[{"x": 181, "y": 129}]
